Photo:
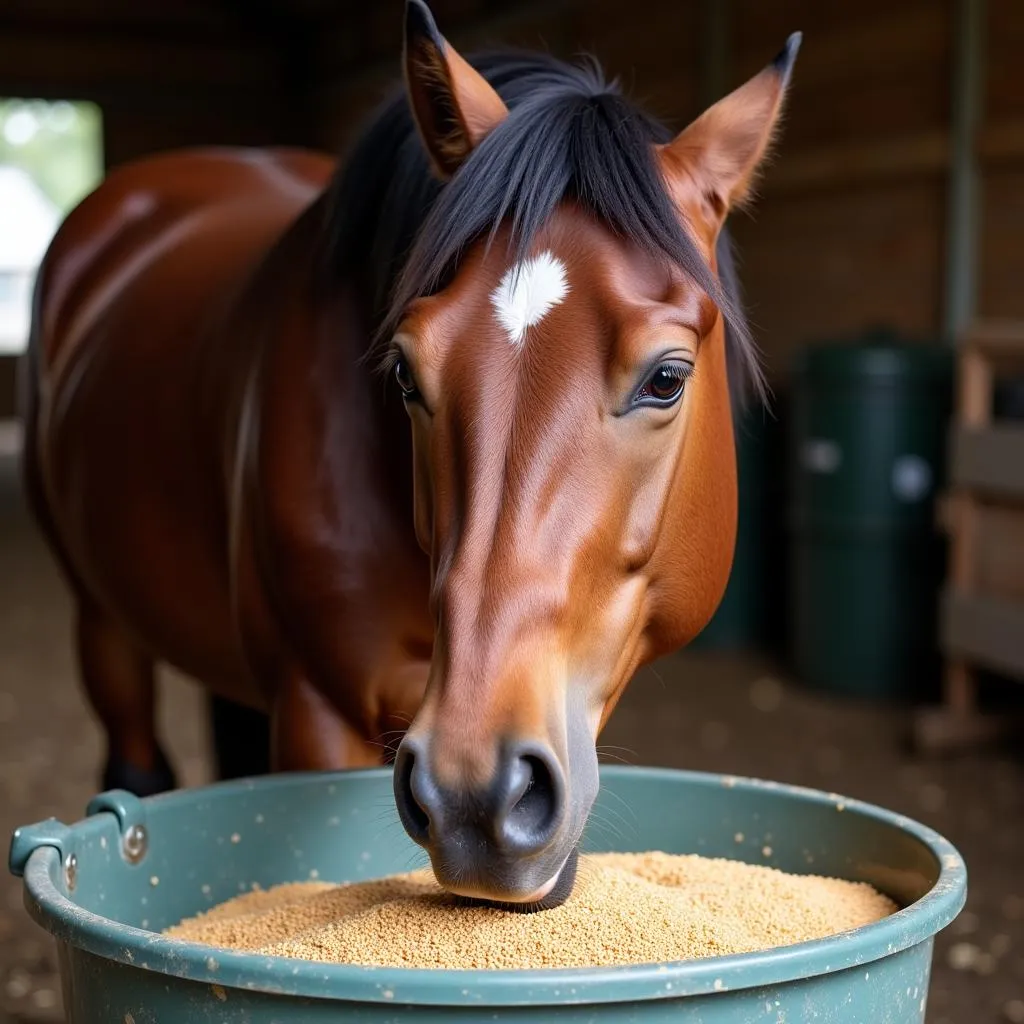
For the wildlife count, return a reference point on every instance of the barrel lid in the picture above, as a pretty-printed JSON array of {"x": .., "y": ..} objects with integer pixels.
[{"x": 879, "y": 354}]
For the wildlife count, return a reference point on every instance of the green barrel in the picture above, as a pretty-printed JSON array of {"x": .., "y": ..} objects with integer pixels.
[{"x": 869, "y": 426}]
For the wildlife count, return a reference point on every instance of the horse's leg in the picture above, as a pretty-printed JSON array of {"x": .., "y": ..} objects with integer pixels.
[
  {"x": 308, "y": 734},
  {"x": 241, "y": 739},
  {"x": 118, "y": 677}
]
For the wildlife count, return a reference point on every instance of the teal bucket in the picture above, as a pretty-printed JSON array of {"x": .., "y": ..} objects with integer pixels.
[{"x": 105, "y": 886}]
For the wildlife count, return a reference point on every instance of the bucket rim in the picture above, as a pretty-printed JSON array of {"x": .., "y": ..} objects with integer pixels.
[{"x": 345, "y": 983}]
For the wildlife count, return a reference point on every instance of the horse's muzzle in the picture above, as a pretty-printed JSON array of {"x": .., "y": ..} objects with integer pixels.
[{"x": 505, "y": 843}]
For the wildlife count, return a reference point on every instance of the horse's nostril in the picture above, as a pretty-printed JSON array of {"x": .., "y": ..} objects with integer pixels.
[
  {"x": 519, "y": 813},
  {"x": 415, "y": 816},
  {"x": 535, "y": 804}
]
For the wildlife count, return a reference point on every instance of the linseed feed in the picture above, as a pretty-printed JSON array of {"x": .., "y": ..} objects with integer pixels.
[{"x": 626, "y": 909}]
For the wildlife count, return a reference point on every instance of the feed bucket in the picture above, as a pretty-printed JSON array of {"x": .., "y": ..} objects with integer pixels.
[{"x": 107, "y": 885}]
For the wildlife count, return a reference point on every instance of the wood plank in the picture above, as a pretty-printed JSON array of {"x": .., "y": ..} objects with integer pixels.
[
  {"x": 63, "y": 65},
  {"x": 923, "y": 154},
  {"x": 975, "y": 387},
  {"x": 989, "y": 460},
  {"x": 1004, "y": 72},
  {"x": 999, "y": 565},
  {"x": 920, "y": 153},
  {"x": 1001, "y": 261},
  {"x": 963, "y": 521},
  {"x": 1001, "y": 341},
  {"x": 1001, "y": 142},
  {"x": 983, "y": 630}
]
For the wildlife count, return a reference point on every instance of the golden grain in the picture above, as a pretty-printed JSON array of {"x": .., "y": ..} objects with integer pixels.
[{"x": 625, "y": 909}]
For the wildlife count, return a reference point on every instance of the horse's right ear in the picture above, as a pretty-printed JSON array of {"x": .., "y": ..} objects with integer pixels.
[
  {"x": 710, "y": 164},
  {"x": 453, "y": 104}
]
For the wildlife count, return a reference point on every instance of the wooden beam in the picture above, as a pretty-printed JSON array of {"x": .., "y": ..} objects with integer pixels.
[
  {"x": 89, "y": 22},
  {"x": 1001, "y": 341},
  {"x": 999, "y": 552},
  {"x": 68, "y": 66},
  {"x": 1001, "y": 143},
  {"x": 989, "y": 460},
  {"x": 984, "y": 630},
  {"x": 925, "y": 154}
]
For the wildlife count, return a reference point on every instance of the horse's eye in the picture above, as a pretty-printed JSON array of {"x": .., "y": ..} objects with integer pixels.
[
  {"x": 405, "y": 379},
  {"x": 664, "y": 386}
]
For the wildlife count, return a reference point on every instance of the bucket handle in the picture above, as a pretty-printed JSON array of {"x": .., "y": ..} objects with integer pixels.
[
  {"x": 29, "y": 838},
  {"x": 131, "y": 820},
  {"x": 126, "y": 807}
]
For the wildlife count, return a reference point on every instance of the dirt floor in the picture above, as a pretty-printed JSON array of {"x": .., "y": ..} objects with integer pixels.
[{"x": 707, "y": 712}]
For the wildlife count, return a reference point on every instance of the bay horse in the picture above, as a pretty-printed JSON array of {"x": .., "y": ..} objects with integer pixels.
[{"x": 443, "y": 437}]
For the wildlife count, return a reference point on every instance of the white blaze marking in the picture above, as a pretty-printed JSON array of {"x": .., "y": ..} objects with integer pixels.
[{"x": 527, "y": 292}]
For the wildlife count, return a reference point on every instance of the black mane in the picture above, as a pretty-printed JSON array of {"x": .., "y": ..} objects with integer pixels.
[{"x": 398, "y": 232}]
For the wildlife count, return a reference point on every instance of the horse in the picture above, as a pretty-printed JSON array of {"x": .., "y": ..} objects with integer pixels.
[{"x": 436, "y": 442}]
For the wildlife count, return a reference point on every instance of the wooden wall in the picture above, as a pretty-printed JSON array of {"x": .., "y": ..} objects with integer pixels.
[
  {"x": 1001, "y": 149},
  {"x": 849, "y": 229},
  {"x": 165, "y": 74}
]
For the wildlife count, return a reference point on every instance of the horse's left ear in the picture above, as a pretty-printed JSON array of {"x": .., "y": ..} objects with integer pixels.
[
  {"x": 713, "y": 161},
  {"x": 453, "y": 104}
]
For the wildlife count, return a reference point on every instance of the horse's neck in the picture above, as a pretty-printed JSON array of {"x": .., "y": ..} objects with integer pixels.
[
  {"x": 315, "y": 414},
  {"x": 319, "y": 502}
]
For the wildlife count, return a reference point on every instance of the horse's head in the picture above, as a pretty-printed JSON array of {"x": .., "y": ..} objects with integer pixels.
[{"x": 575, "y": 480}]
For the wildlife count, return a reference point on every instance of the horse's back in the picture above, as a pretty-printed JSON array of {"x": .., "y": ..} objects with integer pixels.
[
  {"x": 156, "y": 208},
  {"x": 133, "y": 376}
]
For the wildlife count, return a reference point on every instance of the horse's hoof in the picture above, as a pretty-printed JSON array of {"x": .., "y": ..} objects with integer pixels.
[{"x": 141, "y": 782}]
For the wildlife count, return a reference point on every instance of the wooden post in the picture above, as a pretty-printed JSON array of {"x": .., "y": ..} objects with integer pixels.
[
  {"x": 962, "y": 209},
  {"x": 975, "y": 410}
]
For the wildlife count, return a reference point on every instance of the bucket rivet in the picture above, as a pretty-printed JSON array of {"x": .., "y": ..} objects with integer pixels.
[
  {"x": 135, "y": 843},
  {"x": 71, "y": 871}
]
